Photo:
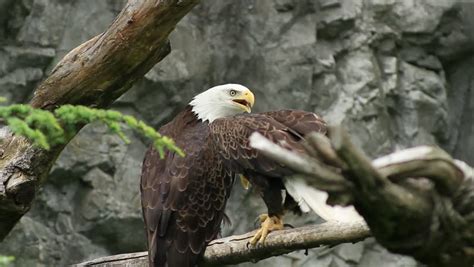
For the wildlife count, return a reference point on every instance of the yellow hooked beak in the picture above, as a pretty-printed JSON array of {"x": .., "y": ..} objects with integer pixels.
[{"x": 245, "y": 101}]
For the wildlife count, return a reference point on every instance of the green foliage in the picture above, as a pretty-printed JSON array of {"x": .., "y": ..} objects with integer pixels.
[
  {"x": 6, "y": 260},
  {"x": 47, "y": 129}
]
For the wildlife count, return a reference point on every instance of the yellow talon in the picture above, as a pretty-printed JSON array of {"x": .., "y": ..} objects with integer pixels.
[
  {"x": 268, "y": 224},
  {"x": 245, "y": 182}
]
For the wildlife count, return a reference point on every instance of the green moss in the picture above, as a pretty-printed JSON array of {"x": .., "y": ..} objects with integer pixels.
[
  {"x": 46, "y": 129},
  {"x": 6, "y": 260}
]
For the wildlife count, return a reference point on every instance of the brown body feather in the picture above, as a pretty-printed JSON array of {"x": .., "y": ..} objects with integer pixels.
[{"x": 183, "y": 199}]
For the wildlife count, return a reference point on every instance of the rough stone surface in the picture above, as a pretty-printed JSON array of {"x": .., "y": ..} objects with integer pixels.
[{"x": 395, "y": 73}]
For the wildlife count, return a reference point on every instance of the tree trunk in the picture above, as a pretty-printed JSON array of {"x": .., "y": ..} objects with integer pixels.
[{"x": 94, "y": 74}]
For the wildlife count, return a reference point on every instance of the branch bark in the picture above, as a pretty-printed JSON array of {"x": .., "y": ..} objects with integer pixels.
[
  {"x": 418, "y": 202},
  {"x": 234, "y": 250},
  {"x": 93, "y": 74}
]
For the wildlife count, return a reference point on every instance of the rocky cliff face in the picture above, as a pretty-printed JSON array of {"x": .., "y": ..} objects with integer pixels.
[{"x": 395, "y": 73}]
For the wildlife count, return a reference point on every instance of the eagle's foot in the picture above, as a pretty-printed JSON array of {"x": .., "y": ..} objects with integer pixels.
[{"x": 268, "y": 224}]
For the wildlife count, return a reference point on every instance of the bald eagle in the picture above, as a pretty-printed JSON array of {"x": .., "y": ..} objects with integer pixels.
[{"x": 183, "y": 198}]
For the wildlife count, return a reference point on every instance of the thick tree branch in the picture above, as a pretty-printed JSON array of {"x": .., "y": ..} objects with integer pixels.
[
  {"x": 103, "y": 68},
  {"x": 93, "y": 74},
  {"x": 234, "y": 250},
  {"x": 418, "y": 202}
]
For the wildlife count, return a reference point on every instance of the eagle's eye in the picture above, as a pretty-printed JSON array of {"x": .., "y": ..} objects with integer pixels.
[{"x": 232, "y": 92}]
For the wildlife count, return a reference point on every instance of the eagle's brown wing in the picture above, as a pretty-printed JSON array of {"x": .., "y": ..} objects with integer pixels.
[
  {"x": 302, "y": 122},
  {"x": 284, "y": 127},
  {"x": 183, "y": 198}
]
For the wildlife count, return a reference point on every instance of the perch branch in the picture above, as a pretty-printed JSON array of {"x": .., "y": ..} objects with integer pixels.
[
  {"x": 234, "y": 250},
  {"x": 93, "y": 74}
]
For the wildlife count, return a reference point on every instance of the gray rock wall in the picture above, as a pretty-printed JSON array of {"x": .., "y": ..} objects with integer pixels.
[{"x": 395, "y": 73}]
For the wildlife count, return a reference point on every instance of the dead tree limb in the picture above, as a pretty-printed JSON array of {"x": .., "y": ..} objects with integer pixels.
[
  {"x": 234, "y": 250},
  {"x": 418, "y": 202},
  {"x": 93, "y": 74}
]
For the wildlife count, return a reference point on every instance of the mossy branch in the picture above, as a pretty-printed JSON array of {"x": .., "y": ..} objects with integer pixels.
[{"x": 46, "y": 129}]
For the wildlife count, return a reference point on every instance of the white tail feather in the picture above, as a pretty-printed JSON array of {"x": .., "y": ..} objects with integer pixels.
[
  {"x": 292, "y": 188},
  {"x": 308, "y": 197}
]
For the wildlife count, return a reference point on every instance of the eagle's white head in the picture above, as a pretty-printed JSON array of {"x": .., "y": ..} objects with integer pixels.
[{"x": 222, "y": 101}]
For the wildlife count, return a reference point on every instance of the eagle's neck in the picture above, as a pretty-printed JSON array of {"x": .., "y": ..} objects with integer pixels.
[{"x": 207, "y": 109}]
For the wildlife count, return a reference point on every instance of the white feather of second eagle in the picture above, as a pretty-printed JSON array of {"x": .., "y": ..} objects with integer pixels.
[{"x": 310, "y": 198}]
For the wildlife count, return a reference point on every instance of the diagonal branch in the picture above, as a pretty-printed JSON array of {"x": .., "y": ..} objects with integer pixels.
[
  {"x": 93, "y": 74},
  {"x": 103, "y": 68}
]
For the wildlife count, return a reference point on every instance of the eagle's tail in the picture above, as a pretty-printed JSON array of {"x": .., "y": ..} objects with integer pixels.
[{"x": 309, "y": 197}]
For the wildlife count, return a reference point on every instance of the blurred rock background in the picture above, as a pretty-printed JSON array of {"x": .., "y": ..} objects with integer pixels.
[{"x": 395, "y": 73}]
